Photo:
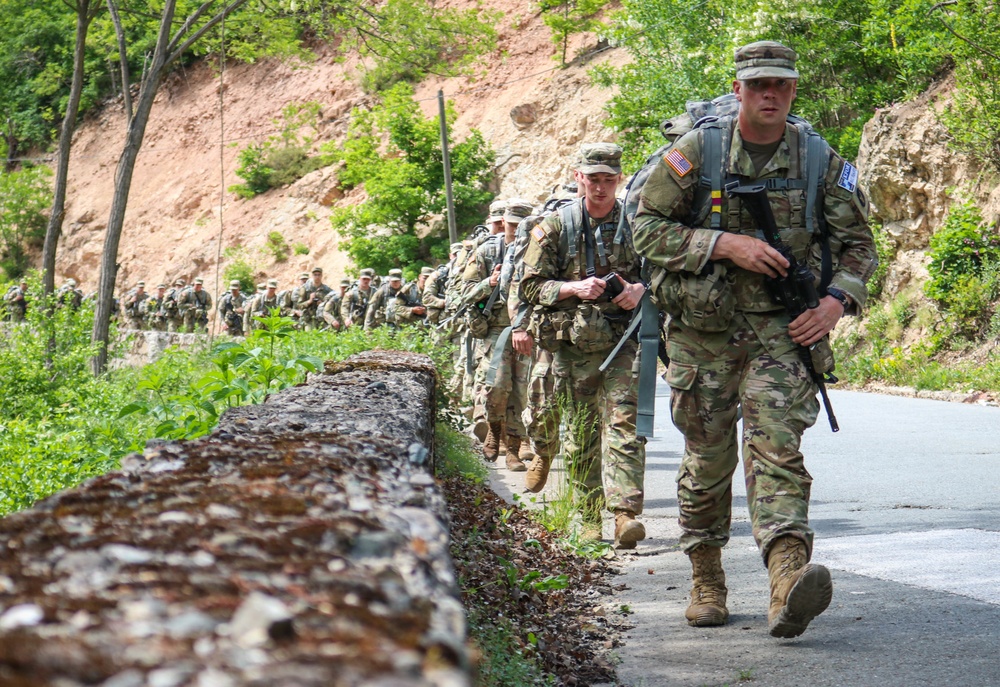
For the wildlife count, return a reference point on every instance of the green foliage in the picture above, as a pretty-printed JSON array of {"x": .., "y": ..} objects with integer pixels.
[
  {"x": 240, "y": 267},
  {"x": 404, "y": 182},
  {"x": 24, "y": 197},
  {"x": 886, "y": 251},
  {"x": 973, "y": 118},
  {"x": 854, "y": 56},
  {"x": 276, "y": 246},
  {"x": 300, "y": 249},
  {"x": 566, "y": 17},
  {"x": 965, "y": 260}
]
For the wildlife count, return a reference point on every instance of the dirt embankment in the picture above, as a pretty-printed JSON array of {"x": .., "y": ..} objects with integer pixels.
[{"x": 534, "y": 114}]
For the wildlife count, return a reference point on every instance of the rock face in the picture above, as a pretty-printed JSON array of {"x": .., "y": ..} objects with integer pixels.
[{"x": 303, "y": 543}]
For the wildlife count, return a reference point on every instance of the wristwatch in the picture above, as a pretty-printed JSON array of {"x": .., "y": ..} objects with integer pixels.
[{"x": 840, "y": 296}]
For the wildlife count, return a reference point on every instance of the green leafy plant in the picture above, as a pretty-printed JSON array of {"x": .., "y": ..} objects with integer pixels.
[
  {"x": 241, "y": 267},
  {"x": 300, "y": 249},
  {"x": 276, "y": 246},
  {"x": 566, "y": 17},
  {"x": 25, "y": 195}
]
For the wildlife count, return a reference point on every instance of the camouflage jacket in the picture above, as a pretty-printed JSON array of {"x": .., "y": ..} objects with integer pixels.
[
  {"x": 228, "y": 305},
  {"x": 552, "y": 257},
  {"x": 194, "y": 300},
  {"x": 376, "y": 314},
  {"x": 308, "y": 303},
  {"x": 434, "y": 290},
  {"x": 331, "y": 309},
  {"x": 476, "y": 278},
  {"x": 399, "y": 309},
  {"x": 355, "y": 305},
  {"x": 663, "y": 236}
]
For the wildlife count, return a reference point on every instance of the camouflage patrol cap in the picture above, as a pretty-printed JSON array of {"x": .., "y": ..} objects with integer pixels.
[
  {"x": 455, "y": 247},
  {"x": 317, "y": 270},
  {"x": 234, "y": 284},
  {"x": 140, "y": 283},
  {"x": 345, "y": 282},
  {"x": 178, "y": 282},
  {"x": 598, "y": 158},
  {"x": 368, "y": 272},
  {"x": 161, "y": 286},
  {"x": 497, "y": 208},
  {"x": 765, "y": 59},
  {"x": 199, "y": 280},
  {"x": 425, "y": 270},
  {"x": 272, "y": 283},
  {"x": 395, "y": 273},
  {"x": 304, "y": 275},
  {"x": 261, "y": 288},
  {"x": 517, "y": 209},
  {"x": 71, "y": 283}
]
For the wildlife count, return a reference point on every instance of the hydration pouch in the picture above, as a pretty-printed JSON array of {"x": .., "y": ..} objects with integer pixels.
[
  {"x": 822, "y": 356},
  {"x": 477, "y": 322},
  {"x": 550, "y": 327},
  {"x": 591, "y": 332}
]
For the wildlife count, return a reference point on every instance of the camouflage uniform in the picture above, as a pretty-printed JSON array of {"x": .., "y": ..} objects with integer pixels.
[
  {"x": 16, "y": 302},
  {"x": 230, "y": 307},
  {"x": 133, "y": 307},
  {"x": 194, "y": 305},
  {"x": 379, "y": 310},
  {"x": 332, "y": 305},
  {"x": 753, "y": 363},
  {"x": 433, "y": 293},
  {"x": 156, "y": 315},
  {"x": 604, "y": 403},
  {"x": 171, "y": 308},
  {"x": 69, "y": 294},
  {"x": 355, "y": 305},
  {"x": 261, "y": 305},
  {"x": 309, "y": 300}
]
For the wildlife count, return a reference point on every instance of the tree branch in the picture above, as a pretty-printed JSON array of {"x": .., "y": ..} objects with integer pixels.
[
  {"x": 958, "y": 35},
  {"x": 179, "y": 50}
]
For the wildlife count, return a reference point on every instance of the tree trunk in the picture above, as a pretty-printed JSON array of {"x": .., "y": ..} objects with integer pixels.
[
  {"x": 84, "y": 15},
  {"x": 123, "y": 183},
  {"x": 123, "y": 58}
]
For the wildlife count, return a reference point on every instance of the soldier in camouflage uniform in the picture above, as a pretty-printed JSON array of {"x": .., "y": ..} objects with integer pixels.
[
  {"x": 499, "y": 405},
  {"x": 309, "y": 300},
  {"x": 232, "y": 307},
  {"x": 69, "y": 294},
  {"x": 134, "y": 306},
  {"x": 355, "y": 305},
  {"x": 434, "y": 289},
  {"x": 194, "y": 305},
  {"x": 174, "y": 318},
  {"x": 749, "y": 358},
  {"x": 261, "y": 305},
  {"x": 332, "y": 305},
  {"x": 156, "y": 315},
  {"x": 16, "y": 301},
  {"x": 565, "y": 263}
]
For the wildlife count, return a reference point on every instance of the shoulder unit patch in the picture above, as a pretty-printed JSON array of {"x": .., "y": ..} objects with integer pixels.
[
  {"x": 677, "y": 162},
  {"x": 849, "y": 178}
]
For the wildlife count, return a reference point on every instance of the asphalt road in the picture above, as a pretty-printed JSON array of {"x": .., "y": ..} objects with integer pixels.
[{"x": 906, "y": 508}]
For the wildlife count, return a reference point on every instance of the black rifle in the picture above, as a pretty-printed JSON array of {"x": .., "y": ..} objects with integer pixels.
[{"x": 797, "y": 289}]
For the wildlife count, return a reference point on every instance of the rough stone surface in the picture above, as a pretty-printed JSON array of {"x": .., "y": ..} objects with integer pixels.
[{"x": 314, "y": 553}]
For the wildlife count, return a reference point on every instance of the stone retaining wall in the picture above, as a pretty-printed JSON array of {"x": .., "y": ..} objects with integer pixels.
[{"x": 302, "y": 543}]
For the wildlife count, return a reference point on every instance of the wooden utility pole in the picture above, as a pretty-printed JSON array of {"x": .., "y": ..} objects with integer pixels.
[{"x": 452, "y": 228}]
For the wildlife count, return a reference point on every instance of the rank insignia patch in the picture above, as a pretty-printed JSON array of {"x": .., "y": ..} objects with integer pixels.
[
  {"x": 677, "y": 162},
  {"x": 849, "y": 178},
  {"x": 538, "y": 234}
]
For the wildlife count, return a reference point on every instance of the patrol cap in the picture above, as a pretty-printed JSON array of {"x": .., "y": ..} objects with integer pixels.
[
  {"x": 199, "y": 280},
  {"x": 598, "y": 158},
  {"x": 395, "y": 273},
  {"x": 178, "y": 282},
  {"x": 161, "y": 286},
  {"x": 345, "y": 282},
  {"x": 71, "y": 282},
  {"x": 234, "y": 284},
  {"x": 261, "y": 287},
  {"x": 317, "y": 270},
  {"x": 368, "y": 272},
  {"x": 496, "y": 210},
  {"x": 272, "y": 283},
  {"x": 140, "y": 283},
  {"x": 425, "y": 270},
  {"x": 765, "y": 59},
  {"x": 304, "y": 275},
  {"x": 517, "y": 209},
  {"x": 455, "y": 247}
]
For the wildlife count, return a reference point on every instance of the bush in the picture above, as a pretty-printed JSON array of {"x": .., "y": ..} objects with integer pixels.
[
  {"x": 240, "y": 267},
  {"x": 253, "y": 170},
  {"x": 300, "y": 249},
  {"x": 276, "y": 246}
]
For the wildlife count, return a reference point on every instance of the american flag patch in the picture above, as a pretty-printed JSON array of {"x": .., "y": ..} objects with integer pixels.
[
  {"x": 677, "y": 162},
  {"x": 538, "y": 234}
]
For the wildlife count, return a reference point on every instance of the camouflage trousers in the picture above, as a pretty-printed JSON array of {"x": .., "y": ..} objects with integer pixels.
[
  {"x": 136, "y": 322},
  {"x": 600, "y": 447},
  {"x": 541, "y": 387},
  {"x": 461, "y": 381},
  {"x": 503, "y": 401},
  {"x": 195, "y": 321},
  {"x": 756, "y": 366}
]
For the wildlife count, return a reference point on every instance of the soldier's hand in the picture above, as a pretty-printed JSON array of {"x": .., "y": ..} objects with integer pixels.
[
  {"x": 751, "y": 254},
  {"x": 522, "y": 341},
  {"x": 630, "y": 296},
  {"x": 588, "y": 289},
  {"x": 495, "y": 277},
  {"x": 419, "y": 310},
  {"x": 814, "y": 324}
]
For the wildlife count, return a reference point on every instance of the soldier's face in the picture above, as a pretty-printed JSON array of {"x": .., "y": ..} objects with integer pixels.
[
  {"x": 270, "y": 291},
  {"x": 317, "y": 278},
  {"x": 764, "y": 103},
  {"x": 197, "y": 287},
  {"x": 599, "y": 189},
  {"x": 365, "y": 282},
  {"x": 160, "y": 292},
  {"x": 496, "y": 227}
]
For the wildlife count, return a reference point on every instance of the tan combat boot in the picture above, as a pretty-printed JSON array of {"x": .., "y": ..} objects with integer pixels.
[
  {"x": 491, "y": 446},
  {"x": 628, "y": 530},
  {"x": 514, "y": 464},
  {"x": 708, "y": 588},
  {"x": 525, "y": 454},
  {"x": 800, "y": 591},
  {"x": 538, "y": 473}
]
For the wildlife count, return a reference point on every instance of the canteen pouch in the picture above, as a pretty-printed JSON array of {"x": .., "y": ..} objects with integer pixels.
[
  {"x": 591, "y": 332},
  {"x": 822, "y": 356},
  {"x": 477, "y": 322},
  {"x": 704, "y": 301},
  {"x": 550, "y": 327}
]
